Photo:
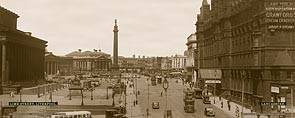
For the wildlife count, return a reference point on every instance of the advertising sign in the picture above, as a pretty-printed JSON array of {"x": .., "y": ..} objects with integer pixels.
[
  {"x": 275, "y": 89},
  {"x": 212, "y": 81},
  {"x": 280, "y": 14}
]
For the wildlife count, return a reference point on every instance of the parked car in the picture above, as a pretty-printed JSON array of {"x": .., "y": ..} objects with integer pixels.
[
  {"x": 209, "y": 112},
  {"x": 156, "y": 105}
]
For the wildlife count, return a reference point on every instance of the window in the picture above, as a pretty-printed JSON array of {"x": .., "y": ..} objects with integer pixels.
[{"x": 288, "y": 75}]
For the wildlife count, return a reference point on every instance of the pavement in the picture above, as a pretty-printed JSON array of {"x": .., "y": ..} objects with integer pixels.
[
  {"x": 233, "y": 110},
  {"x": 133, "y": 110},
  {"x": 62, "y": 97}
]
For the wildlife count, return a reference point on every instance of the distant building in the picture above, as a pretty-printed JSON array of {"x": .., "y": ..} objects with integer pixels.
[
  {"x": 166, "y": 63},
  {"x": 90, "y": 61},
  {"x": 22, "y": 55},
  {"x": 178, "y": 62},
  {"x": 66, "y": 65}
]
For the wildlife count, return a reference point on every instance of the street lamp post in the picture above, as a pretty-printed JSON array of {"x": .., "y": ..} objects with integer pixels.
[
  {"x": 50, "y": 95},
  {"x": 107, "y": 92},
  {"x": 214, "y": 92},
  {"x": 147, "y": 110},
  {"x": 165, "y": 86},
  {"x": 92, "y": 93},
  {"x": 113, "y": 96},
  {"x": 136, "y": 89},
  {"x": 20, "y": 93},
  {"x": 243, "y": 89},
  {"x": 82, "y": 102},
  {"x": 292, "y": 102}
]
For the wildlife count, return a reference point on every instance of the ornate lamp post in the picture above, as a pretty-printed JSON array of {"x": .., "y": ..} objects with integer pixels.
[
  {"x": 113, "y": 96},
  {"x": 20, "y": 93},
  {"x": 135, "y": 88},
  {"x": 165, "y": 86},
  {"x": 92, "y": 93}
]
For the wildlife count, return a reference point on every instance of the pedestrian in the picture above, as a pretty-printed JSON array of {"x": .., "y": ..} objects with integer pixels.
[
  {"x": 134, "y": 103},
  {"x": 219, "y": 98},
  {"x": 161, "y": 93},
  {"x": 12, "y": 94},
  {"x": 221, "y": 104}
]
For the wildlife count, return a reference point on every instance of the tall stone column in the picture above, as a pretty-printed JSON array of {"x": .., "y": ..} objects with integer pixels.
[{"x": 115, "y": 48}]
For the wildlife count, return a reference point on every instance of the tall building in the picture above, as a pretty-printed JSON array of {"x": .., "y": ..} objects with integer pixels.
[
  {"x": 252, "y": 43},
  {"x": 191, "y": 54},
  {"x": 22, "y": 55},
  {"x": 115, "y": 48}
]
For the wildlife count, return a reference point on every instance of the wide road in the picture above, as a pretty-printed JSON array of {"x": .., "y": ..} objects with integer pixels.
[{"x": 174, "y": 101}]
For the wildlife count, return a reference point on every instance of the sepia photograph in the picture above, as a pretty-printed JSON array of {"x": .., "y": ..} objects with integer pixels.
[{"x": 147, "y": 58}]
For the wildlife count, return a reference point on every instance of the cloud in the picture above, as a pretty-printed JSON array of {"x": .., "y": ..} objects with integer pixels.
[{"x": 147, "y": 27}]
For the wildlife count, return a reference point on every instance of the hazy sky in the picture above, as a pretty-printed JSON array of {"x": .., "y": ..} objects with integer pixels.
[{"x": 147, "y": 27}]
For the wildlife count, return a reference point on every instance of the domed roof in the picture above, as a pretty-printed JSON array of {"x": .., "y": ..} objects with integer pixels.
[
  {"x": 95, "y": 53},
  {"x": 75, "y": 53}
]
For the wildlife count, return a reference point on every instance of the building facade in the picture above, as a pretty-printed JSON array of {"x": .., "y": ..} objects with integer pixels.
[
  {"x": 252, "y": 43},
  {"x": 22, "y": 55},
  {"x": 178, "y": 62},
  {"x": 51, "y": 64},
  {"x": 166, "y": 63},
  {"x": 58, "y": 65},
  {"x": 90, "y": 61},
  {"x": 191, "y": 54}
]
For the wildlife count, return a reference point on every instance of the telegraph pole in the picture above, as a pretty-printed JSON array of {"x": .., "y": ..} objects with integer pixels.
[
  {"x": 243, "y": 87},
  {"x": 147, "y": 110},
  {"x": 292, "y": 103}
]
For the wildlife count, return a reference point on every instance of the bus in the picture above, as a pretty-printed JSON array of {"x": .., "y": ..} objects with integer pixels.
[
  {"x": 198, "y": 93},
  {"x": 72, "y": 114}
]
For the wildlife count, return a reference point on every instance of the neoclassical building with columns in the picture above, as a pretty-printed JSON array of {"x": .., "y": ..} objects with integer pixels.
[
  {"x": 58, "y": 65},
  {"x": 90, "y": 61},
  {"x": 22, "y": 55}
]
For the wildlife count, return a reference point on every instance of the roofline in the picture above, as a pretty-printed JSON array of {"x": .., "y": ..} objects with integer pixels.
[{"x": 8, "y": 11}]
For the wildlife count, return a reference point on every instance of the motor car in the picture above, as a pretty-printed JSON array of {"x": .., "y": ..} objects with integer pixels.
[
  {"x": 156, "y": 105},
  {"x": 206, "y": 100},
  {"x": 209, "y": 112},
  {"x": 189, "y": 108}
]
